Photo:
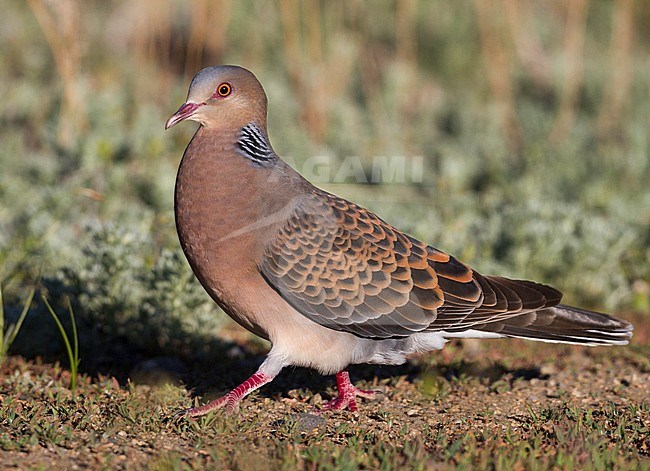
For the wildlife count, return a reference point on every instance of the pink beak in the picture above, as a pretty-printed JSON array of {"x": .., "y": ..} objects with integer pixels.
[{"x": 184, "y": 112}]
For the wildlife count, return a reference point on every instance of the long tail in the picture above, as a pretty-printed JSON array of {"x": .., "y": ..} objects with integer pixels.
[{"x": 565, "y": 324}]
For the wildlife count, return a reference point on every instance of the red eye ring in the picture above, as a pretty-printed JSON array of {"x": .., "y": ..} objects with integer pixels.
[{"x": 223, "y": 90}]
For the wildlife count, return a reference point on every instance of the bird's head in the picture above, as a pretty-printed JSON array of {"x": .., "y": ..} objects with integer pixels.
[{"x": 221, "y": 96}]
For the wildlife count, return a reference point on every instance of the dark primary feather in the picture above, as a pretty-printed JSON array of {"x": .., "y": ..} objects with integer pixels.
[
  {"x": 343, "y": 267},
  {"x": 565, "y": 324}
]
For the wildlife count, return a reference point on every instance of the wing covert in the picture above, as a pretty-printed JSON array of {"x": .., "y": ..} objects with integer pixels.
[{"x": 343, "y": 267}]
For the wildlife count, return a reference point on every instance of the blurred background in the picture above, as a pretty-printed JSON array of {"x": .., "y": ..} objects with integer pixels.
[{"x": 530, "y": 118}]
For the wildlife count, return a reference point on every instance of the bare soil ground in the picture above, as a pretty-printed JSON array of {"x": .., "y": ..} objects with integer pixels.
[{"x": 477, "y": 405}]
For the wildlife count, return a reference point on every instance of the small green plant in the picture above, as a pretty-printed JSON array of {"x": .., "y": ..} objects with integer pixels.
[
  {"x": 72, "y": 350},
  {"x": 8, "y": 337}
]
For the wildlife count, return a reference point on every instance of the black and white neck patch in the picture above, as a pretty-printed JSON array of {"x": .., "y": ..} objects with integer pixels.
[{"x": 254, "y": 145}]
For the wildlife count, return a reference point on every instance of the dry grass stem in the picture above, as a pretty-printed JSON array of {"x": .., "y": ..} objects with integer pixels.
[
  {"x": 59, "y": 21},
  {"x": 527, "y": 43},
  {"x": 498, "y": 64},
  {"x": 617, "y": 91},
  {"x": 208, "y": 32},
  {"x": 319, "y": 62},
  {"x": 573, "y": 63}
]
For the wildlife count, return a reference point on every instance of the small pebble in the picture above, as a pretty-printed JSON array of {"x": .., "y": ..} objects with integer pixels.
[{"x": 307, "y": 422}]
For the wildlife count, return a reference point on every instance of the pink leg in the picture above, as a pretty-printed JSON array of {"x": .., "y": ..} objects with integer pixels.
[
  {"x": 347, "y": 394},
  {"x": 231, "y": 400}
]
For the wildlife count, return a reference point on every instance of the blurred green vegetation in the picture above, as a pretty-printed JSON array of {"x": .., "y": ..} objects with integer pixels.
[{"x": 532, "y": 118}]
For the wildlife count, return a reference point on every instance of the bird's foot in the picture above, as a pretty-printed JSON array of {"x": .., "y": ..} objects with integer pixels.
[
  {"x": 347, "y": 394},
  {"x": 229, "y": 402}
]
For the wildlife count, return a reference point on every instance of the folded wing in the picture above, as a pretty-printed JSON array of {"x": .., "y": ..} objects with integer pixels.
[{"x": 344, "y": 268}]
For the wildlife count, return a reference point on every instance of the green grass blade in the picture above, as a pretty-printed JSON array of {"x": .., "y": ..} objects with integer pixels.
[
  {"x": 2, "y": 327},
  {"x": 19, "y": 323},
  {"x": 66, "y": 340},
  {"x": 75, "y": 339},
  {"x": 7, "y": 338}
]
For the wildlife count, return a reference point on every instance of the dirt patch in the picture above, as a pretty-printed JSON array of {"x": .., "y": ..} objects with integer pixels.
[{"x": 490, "y": 404}]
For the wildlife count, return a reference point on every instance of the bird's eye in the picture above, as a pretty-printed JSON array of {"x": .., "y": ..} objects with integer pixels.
[{"x": 224, "y": 90}]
